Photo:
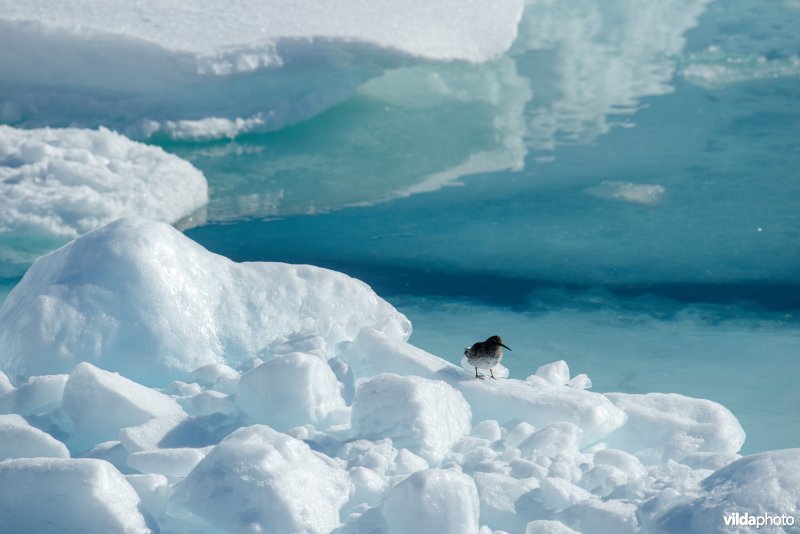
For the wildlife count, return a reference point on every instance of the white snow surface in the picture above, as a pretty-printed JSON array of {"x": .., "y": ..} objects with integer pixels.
[
  {"x": 156, "y": 66},
  {"x": 67, "y": 495},
  {"x": 59, "y": 183},
  {"x": 367, "y": 433},
  {"x": 140, "y": 298}
]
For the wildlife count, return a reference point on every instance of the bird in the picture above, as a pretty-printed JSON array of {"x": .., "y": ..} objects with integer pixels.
[{"x": 485, "y": 355}]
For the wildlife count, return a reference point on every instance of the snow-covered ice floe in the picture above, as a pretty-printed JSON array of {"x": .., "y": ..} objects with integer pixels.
[
  {"x": 153, "y": 386},
  {"x": 162, "y": 63},
  {"x": 56, "y": 184}
]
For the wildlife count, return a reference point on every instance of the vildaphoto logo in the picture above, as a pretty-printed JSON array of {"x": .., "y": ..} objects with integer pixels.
[{"x": 736, "y": 519}]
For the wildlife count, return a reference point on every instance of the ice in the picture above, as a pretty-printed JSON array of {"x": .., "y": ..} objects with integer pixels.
[
  {"x": 39, "y": 394},
  {"x": 291, "y": 390},
  {"x": 644, "y": 194},
  {"x": 556, "y": 373},
  {"x": 100, "y": 403},
  {"x": 174, "y": 463},
  {"x": 369, "y": 433},
  {"x": 67, "y": 495},
  {"x": 56, "y": 184},
  {"x": 282, "y": 60},
  {"x": 259, "y": 479},
  {"x": 433, "y": 501},
  {"x": 664, "y": 426},
  {"x": 546, "y": 526},
  {"x": 168, "y": 431},
  {"x": 140, "y": 298},
  {"x": 18, "y": 439},
  {"x": 764, "y": 484},
  {"x": 425, "y": 416}
]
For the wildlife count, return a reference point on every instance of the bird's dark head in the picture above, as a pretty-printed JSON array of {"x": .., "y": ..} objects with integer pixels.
[{"x": 496, "y": 340}]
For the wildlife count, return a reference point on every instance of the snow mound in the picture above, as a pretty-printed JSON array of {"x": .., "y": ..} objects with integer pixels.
[
  {"x": 140, "y": 298},
  {"x": 82, "y": 495},
  {"x": 56, "y": 184},
  {"x": 258, "y": 479}
]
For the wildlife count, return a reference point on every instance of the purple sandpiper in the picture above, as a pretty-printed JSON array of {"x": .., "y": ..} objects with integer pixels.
[{"x": 485, "y": 354}]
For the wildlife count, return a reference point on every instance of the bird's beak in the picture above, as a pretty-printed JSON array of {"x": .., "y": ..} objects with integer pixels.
[{"x": 504, "y": 346}]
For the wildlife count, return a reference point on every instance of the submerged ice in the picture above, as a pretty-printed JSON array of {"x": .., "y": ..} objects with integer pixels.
[{"x": 330, "y": 421}]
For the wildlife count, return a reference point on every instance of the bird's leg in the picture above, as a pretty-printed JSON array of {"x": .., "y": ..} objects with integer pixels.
[
  {"x": 477, "y": 375},
  {"x": 492, "y": 373}
]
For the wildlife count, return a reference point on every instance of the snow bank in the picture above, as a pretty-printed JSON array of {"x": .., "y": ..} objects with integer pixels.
[
  {"x": 285, "y": 59},
  {"x": 56, "y": 184},
  {"x": 82, "y": 496},
  {"x": 371, "y": 434},
  {"x": 140, "y": 298}
]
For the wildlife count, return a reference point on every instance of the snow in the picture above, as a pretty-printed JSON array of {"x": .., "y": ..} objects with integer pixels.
[
  {"x": 433, "y": 415},
  {"x": 56, "y": 184},
  {"x": 291, "y": 390},
  {"x": 18, "y": 439},
  {"x": 100, "y": 403},
  {"x": 316, "y": 414},
  {"x": 82, "y": 495},
  {"x": 138, "y": 297},
  {"x": 433, "y": 501},
  {"x": 159, "y": 66},
  {"x": 258, "y": 479}
]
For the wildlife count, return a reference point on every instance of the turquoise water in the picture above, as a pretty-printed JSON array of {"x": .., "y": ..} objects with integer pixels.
[{"x": 624, "y": 197}]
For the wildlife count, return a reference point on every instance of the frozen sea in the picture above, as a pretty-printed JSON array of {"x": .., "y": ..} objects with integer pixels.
[
  {"x": 620, "y": 190},
  {"x": 689, "y": 282}
]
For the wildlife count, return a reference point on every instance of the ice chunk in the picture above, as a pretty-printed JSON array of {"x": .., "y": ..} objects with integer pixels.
[
  {"x": 18, "y": 439},
  {"x": 667, "y": 425},
  {"x": 645, "y": 194},
  {"x": 556, "y": 373},
  {"x": 38, "y": 395},
  {"x": 67, "y": 495},
  {"x": 765, "y": 486},
  {"x": 217, "y": 376},
  {"x": 499, "y": 494},
  {"x": 173, "y": 463},
  {"x": 433, "y": 501},
  {"x": 291, "y": 390},
  {"x": 536, "y": 402},
  {"x": 112, "y": 452},
  {"x": 169, "y": 431},
  {"x": 56, "y": 184},
  {"x": 546, "y": 526},
  {"x": 100, "y": 403},
  {"x": 540, "y": 405},
  {"x": 283, "y": 60},
  {"x": 5, "y": 385},
  {"x": 140, "y": 298},
  {"x": 259, "y": 479},
  {"x": 425, "y": 416}
]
